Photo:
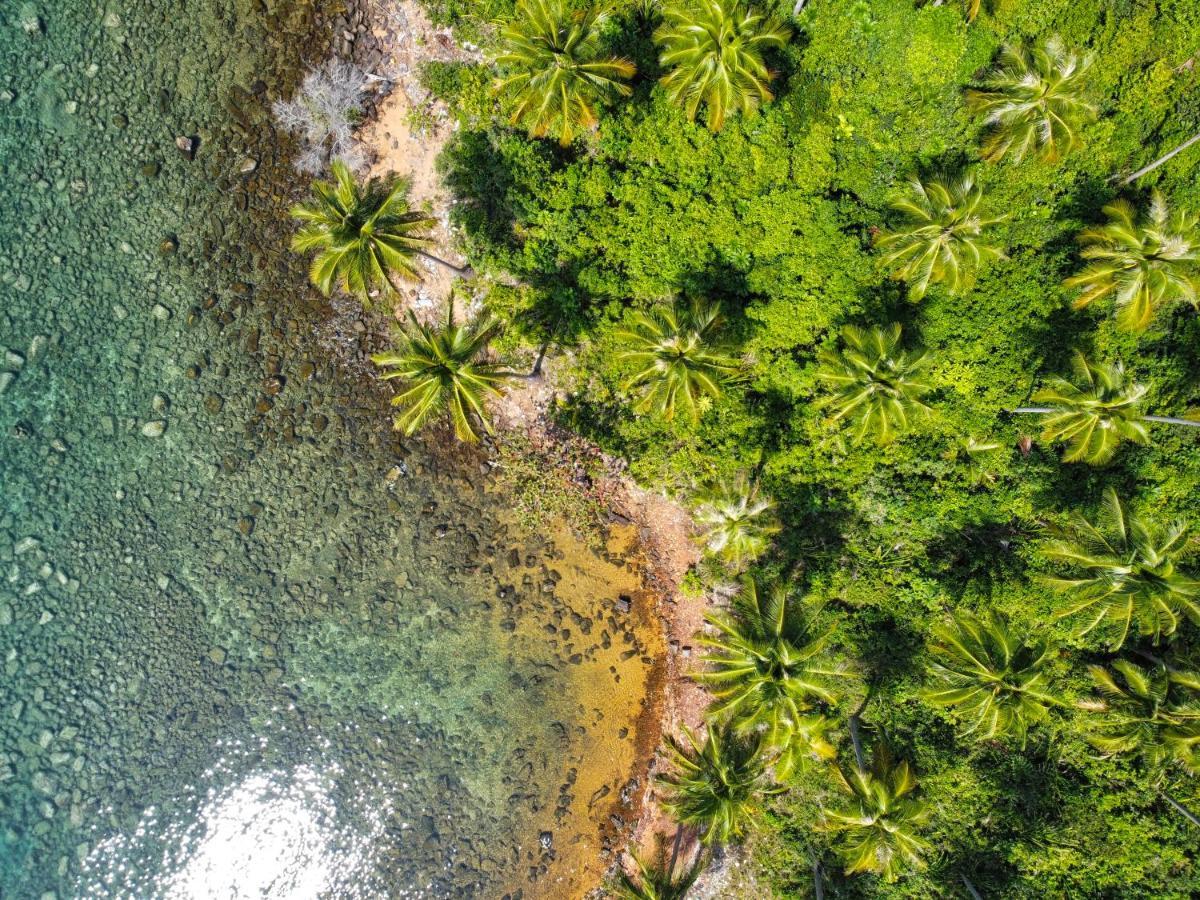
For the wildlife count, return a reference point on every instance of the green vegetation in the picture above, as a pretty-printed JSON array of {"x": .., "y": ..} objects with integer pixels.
[
  {"x": 951, "y": 504},
  {"x": 364, "y": 236},
  {"x": 555, "y": 73},
  {"x": 659, "y": 879},
  {"x": 444, "y": 374}
]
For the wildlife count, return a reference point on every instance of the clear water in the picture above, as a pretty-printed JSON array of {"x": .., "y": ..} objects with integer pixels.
[{"x": 252, "y": 644}]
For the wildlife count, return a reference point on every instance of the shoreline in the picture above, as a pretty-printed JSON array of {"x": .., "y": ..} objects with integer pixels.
[{"x": 663, "y": 526}]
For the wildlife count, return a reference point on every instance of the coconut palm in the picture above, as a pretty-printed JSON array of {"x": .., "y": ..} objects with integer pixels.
[
  {"x": 876, "y": 385},
  {"x": 1033, "y": 102},
  {"x": 1142, "y": 264},
  {"x": 769, "y": 672},
  {"x": 1152, "y": 712},
  {"x": 656, "y": 878},
  {"x": 680, "y": 364},
  {"x": 444, "y": 372},
  {"x": 555, "y": 71},
  {"x": 364, "y": 235},
  {"x": 736, "y": 522},
  {"x": 1127, "y": 571},
  {"x": 1094, "y": 414},
  {"x": 995, "y": 680},
  {"x": 713, "y": 50},
  {"x": 978, "y": 457},
  {"x": 941, "y": 239},
  {"x": 877, "y": 831},
  {"x": 716, "y": 786}
]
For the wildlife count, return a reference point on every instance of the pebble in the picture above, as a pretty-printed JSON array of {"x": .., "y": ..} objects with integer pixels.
[
  {"x": 154, "y": 429},
  {"x": 6, "y": 379}
]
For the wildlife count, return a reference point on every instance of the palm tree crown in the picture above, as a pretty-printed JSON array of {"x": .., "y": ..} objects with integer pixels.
[
  {"x": 363, "y": 235},
  {"x": 714, "y": 51},
  {"x": 1142, "y": 265},
  {"x": 877, "y": 830},
  {"x": 876, "y": 384},
  {"x": 716, "y": 786},
  {"x": 1129, "y": 571},
  {"x": 1034, "y": 102},
  {"x": 1093, "y": 414},
  {"x": 1152, "y": 712},
  {"x": 942, "y": 237},
  {"x": 768, "y": 672},
  {"x": 555, "y": 71},
  {"x": 736, "y": 522},
  {"x": 679, "y": 362},
  {"x": 656, "y": 879},
  {"x": 443, "y": 372},
  {"x": 996, "y": 681}
]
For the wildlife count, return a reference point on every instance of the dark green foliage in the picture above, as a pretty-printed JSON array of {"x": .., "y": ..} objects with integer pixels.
[{"x": 775, "y": 218}]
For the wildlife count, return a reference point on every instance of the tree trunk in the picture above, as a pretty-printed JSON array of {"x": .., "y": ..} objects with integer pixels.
[
  {"x": 1172, "y": 420},
  {"x": 1181, "y": 809},
  {"x": 675, "y": 850},
  {"x": 464, "y": 271},
  {"x": 857, "y": 742},
  {"x": 537, "y": 365},
  {"x": 818, "y": 880},
  {"x": 1039, "y": 410},
  {"x": 975, "y": 895},
  {"x": 1162, "y": 159}
]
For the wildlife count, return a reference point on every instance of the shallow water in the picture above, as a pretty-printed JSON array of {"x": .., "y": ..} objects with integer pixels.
[{"x": 254, "y": 645}]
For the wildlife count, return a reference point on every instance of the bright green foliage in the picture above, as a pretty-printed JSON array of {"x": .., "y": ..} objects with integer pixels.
[
  {"x": 993, "y": 678},
  {"x": 679, "y": 360},
  {"x": 1143, "y": 265},
  {"x": 941, "y": 238},
  {"x": 1034, "y": 102},
  {"x": 443, "y": 372},
  {"x": 363, "y": 234},
  {"x": 979, "y": 457},
  {"x": 877, "y": 386},
  {"x": 1095, "y": 413},
  {"x": 1127, "y": 572},
  {"x": 1153, "y": 713},
  {"x": 736, "y": 521},
  {"x": 716, "y": 787},
  {"x": 555, "y": 71},
  {"x": 878, "y": 831},
  {"x": 714, "y": 52},
  {"x": 769, "y": 672},
  {"x": 655, "y": 880}
]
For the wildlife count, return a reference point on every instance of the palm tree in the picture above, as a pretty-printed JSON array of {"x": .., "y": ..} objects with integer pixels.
[
  {"x": 657, "y": 879},
  {"x": 878, "y": 830},
  {"x": 769, "y": 671},
  {"x": 1153, "y": 712},
  {"x": 363, "y": 234},
  {"x": 995, "y": 680},
  {"x": 714, "y": 51},
  {"x": 736, "y": 522},
  {"x": 1034, "y": 101},
  {"x": 444, "y": 373},
  {"x": 1143, "y": 265},
  {"x": 555, "y": 70},
  {"x": 876, "y": 384},
  {"x": 716, "y": 787},
  {"x": 680, "y": 363},
  {"x": 1094, "y": 414},
  {"x": 1128, "y": 571},
  {"x": 942, "y": 237}
]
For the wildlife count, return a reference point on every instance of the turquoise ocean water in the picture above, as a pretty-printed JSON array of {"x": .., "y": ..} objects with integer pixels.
[{"x": 252, "y": 644}]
